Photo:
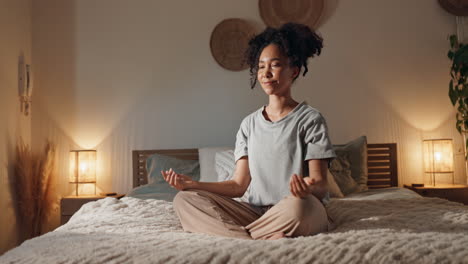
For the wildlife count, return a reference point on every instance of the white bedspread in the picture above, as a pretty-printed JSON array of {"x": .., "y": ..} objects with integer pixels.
[{"x": 394, "y": 226}]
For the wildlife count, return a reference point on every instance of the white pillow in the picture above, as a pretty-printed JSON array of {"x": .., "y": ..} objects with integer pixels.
[
  {"x": 225, "y": 166},
  {"x": 206, "y": 157}
]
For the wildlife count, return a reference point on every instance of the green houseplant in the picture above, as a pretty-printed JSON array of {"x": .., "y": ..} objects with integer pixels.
[{"x": 458, "y": 86}]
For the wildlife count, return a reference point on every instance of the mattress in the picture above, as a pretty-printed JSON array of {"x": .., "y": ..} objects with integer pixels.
[{"x": 392, "y": 225}]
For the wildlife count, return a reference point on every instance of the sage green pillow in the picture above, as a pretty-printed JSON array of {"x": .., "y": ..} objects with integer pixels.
[
  {"x": 356, "y": 151},
  {"x": 157, "y": 162}
]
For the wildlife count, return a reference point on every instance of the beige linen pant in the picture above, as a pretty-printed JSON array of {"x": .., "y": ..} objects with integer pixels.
[{"x": 205, "y": 212}]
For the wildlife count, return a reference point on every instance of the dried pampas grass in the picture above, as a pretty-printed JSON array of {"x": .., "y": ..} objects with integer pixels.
[{"x": 33, "y": 185}]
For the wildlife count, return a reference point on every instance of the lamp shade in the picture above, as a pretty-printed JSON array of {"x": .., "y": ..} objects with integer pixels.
[
  {"x": 82, "y": 166},
  {"x": 438, "y": 155}
]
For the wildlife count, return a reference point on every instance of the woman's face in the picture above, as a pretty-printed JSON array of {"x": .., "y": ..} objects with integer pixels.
[{"x": 274, "y": 73}]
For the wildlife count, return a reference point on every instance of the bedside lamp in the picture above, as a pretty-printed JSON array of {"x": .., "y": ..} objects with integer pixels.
[
  {"x": 438, "y": 157},
  {"x": 82, "y": 167}
]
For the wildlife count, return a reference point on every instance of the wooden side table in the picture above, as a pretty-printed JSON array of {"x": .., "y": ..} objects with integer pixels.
[
  {"x": 70, "y": 204},
  {"x": 451, "y": 192}
]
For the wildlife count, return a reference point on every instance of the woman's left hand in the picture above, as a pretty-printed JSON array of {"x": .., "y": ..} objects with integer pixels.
[
  {"x": 299, "y": 186},
  {"x": 178, "y": 181}
]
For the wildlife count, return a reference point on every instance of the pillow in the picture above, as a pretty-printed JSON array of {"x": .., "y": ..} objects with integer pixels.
[
  {"x": 341, "y": 170},
  {"x": 157, "y": 162},
  {"x": 225, "y": 166},
  {"x": 159, "y": 191},
  {"x": 333, "y": 188},
  {"x": 207, "y": 163},
  {"x": 357, "y": 156}
]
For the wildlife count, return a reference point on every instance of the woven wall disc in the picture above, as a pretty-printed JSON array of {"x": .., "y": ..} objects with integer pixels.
[
  {"x": 277, "y": 12},
  {"x": 229, "y": 41},
  {"x": 456, "y": 7}
]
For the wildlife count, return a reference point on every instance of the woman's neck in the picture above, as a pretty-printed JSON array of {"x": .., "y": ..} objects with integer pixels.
[{"x": 278, "y": 106}]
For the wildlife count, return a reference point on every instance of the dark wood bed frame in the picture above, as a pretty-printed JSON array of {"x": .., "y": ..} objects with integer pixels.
[{"x": 381, "y": 163}]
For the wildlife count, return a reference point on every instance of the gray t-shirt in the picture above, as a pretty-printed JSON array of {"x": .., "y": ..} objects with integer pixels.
[{"x": 276, "y": 150}]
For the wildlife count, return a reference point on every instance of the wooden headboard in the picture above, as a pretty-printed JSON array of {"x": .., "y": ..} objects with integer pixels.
[
  {"x": 382, "y": 166},
  {"x": 381, "y": 162}
]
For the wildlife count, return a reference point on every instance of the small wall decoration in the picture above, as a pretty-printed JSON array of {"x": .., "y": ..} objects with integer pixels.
[
  {"x": 25, "y": 85},
  {"x": 229, "y": 41},
  {"x": 277, "y": 12}
]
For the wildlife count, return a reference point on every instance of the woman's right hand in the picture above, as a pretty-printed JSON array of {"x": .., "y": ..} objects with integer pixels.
[
  {"x": 300, "y": 187},
  {"x": 178, "y": 181}
]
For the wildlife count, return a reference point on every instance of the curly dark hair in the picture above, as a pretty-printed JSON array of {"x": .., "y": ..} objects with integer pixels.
[{"x": 298, "y": 42}]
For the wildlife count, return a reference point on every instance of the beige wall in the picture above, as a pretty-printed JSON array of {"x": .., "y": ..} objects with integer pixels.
[
  {"x": 15, "y": 39},
  {"x": 120, "y": 75}
]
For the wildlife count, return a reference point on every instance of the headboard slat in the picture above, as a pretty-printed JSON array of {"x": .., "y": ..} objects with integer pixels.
[
  {"x": 378, "y": 170},
  {"x": 378, "y": 158}
]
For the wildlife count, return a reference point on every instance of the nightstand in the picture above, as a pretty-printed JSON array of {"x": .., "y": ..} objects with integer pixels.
[
  {"x": 70, "y": 204},
  {"x": 451, "y": 192}
]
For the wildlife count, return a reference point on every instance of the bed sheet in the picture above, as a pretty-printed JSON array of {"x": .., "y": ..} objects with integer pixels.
[
  {"x": 387, "y": 229},
  {"x": 381, "y": 194}
]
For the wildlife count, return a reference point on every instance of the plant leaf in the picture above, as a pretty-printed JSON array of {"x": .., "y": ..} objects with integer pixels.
[
  {"x": 450, "y": 54},
  {"x": 452, "y": 93},
  {"x": 453, "y": 40}
]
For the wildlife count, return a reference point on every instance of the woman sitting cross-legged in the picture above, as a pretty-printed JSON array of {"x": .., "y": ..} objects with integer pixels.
[{"x": 282, "y": 151}]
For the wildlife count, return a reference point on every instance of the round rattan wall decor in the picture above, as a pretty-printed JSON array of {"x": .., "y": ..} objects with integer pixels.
[
  {"x": 456, "y": 7},
  {"x": 229, "y": 41},
  {"x": 277, "y": 12}
]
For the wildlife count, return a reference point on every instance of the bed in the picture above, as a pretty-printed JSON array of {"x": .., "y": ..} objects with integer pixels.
[{"x": 384, "y": 224}]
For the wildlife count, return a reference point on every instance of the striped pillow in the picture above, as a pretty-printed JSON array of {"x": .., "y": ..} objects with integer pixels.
[{"x": 341, "y": 170}]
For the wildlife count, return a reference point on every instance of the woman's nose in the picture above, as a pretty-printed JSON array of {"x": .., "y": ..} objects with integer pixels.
[{"x": 268, "y": 73}]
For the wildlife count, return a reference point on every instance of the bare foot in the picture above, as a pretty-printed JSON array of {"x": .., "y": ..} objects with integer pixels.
[{"x": 277, "y": 236}]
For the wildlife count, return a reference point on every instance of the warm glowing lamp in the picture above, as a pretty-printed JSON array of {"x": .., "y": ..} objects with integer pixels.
[
  {"x": 438, "y": 157},
  {"x": 83, "y": 167}
]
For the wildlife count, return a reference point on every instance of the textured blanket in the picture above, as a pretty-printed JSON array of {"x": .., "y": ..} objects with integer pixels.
[{"x": 401, "y": 228}]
